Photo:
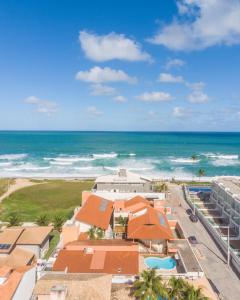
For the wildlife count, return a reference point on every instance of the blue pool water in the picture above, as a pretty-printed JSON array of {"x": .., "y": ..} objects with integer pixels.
[
  {"x": 167, "y": 263},
  {"x": 199, "y": 189}
]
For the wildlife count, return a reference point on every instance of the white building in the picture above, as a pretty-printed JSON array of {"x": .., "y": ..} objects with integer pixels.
[
  {"x": 124, "y": 182},
  {"x": 226, "y": 195}
]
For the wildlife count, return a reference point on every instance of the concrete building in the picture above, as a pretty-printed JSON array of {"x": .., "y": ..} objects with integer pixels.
[
  {"x": 123, "y": 182},
  {"x": 226, "y": 195}
]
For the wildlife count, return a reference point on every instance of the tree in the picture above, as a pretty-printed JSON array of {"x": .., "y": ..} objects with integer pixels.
[
  {"x": 192, "y": 293},
  {"x": 201, "y": 173},
  {"x": 122, "y": 221},
  {"x": 95, "y": 233},
  {"x": 194, "y": 157},
  {"x": 13, "y": 219},
  {"x": 176, "y": 288},
  {"x": 161, "y": 187},
  {"x": 149, "y": 286},
  {"x": 58, "y": 222},
  {"x": 42, "y": 220}
]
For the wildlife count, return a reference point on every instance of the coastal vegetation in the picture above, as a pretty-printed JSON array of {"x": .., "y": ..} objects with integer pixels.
[
  {"x": 95, "y": 233},
  {"x": 160, "y": 187},
  {"x": 51, "y": 198},
  {"x": 4, "y": 184},
  {"x": 201, "y": 173},
  {"x": 54, "y": 239},
  {"x": 151, "y": 286}
]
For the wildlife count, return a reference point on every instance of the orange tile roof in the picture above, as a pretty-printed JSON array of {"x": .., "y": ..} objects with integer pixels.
[
  {"x": 152, "y": 225},
  {"x": 96, "y": 211},
  {"x": 136, "y": 200},
  {"x": 115, "y": 262},
  {"x": 13, "y": 278}
]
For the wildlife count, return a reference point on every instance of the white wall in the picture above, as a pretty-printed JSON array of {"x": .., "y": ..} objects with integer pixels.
[{"x": 26, "y": 286}]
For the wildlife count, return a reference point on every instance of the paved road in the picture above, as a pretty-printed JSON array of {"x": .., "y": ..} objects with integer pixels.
[{"x": 210, "y": 257}]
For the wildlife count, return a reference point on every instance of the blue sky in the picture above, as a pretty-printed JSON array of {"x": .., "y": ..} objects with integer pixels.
[{"x": 120, "y": 65}]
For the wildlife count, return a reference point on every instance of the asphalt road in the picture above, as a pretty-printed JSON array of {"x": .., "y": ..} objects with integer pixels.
[{"x": 210, "y": 257}]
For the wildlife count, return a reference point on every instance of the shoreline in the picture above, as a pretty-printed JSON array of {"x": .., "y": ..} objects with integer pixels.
[{"x": 154, "y": 179}]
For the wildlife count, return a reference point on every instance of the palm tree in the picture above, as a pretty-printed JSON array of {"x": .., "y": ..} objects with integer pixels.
[
  {"x": 95, "y": 233},
  {"x": 177, "y": 287},
  {"x": 201, "y": 173},
  {"x": 13, "y": 219},
  {"x": 194, "y": 157},
  {"x": 122, "y": 221},
  {"x": 149, "y": 286},
  {"x": 192, "y": 293},
  {"x": 42, "y": 220},
  {"x": 161, "y": 187},
  {"x": 58, "y": 222}
]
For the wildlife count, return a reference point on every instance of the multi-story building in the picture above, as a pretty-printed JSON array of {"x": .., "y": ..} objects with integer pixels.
[{"x": 226, "y": 195}]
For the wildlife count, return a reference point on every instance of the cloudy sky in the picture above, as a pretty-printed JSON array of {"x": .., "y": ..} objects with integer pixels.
[{"x": 120, "y": 65}]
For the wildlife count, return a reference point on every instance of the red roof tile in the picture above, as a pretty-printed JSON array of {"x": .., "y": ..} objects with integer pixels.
[
  {"x": 152, "y": 225},
  {"x": 96, "y": 211}
]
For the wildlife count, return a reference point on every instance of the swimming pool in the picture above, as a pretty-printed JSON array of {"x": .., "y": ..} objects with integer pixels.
[
  {"x": 167, "y": 263},
  {"x": 199, "y": 189}
]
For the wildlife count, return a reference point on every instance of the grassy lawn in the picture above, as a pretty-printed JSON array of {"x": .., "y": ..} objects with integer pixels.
[
  {"x": 51, "y": 198},
  {"x": 53, "y": 243},
  {"x": 4, "y": 185}
]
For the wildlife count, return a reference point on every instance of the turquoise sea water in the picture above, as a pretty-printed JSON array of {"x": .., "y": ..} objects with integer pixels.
[{"x": 80, "y": 154}]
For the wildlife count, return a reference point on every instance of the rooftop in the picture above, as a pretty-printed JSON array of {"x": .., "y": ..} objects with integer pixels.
[
  {"x": 79, "y": 286},
  {"x": 152, "y": 225},
  {"x": 18, "y": 257},
  {"x": 233, "y": 184},
  {"x": 12, "y": 278},
  {"x": 110, "y": 262},
  {"x": 122, "y": 176},
  {"x": 96, "y": 211}
]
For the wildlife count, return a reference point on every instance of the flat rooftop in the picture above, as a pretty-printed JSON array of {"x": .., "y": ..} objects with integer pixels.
[
  {"x": 187, "y": 255},
  {"x": 233, "y": 184}
]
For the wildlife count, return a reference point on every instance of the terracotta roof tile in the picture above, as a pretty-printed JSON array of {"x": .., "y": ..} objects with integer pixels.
[
  {"x": 152, "y": 225},
  {"x": 116, "y": 262},
  {"x": 96, "y": 211}
]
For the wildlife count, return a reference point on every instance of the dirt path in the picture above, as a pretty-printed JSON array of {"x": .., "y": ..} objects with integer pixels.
[{"x": 17, "y": 185}]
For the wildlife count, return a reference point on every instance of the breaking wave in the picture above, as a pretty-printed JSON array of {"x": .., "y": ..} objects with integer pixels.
[{"x": 13, "y": 156}]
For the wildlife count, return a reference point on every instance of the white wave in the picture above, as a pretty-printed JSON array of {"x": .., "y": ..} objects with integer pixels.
[
  {"x": 5, "y": 164},
  {"x": 105, "y": 155},
  {"x": 220, "y": 156},
  {"x": 182, "y": 160},
  {"x": 26, "y": 167},
  {"x": 71, "y": 159},
  {"x": 225, "y": 162},
  {"x": 12, "y": 156},
  {"x": 88, "y": 168},
  {"x": 132, "y": 154},
  {"x": 61, "y": 163}
]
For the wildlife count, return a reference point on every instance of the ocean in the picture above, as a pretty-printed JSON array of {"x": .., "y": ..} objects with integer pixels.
[{"x": 89, "y": 154}]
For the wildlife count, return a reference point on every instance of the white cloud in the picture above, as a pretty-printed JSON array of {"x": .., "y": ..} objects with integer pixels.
[
  {"x": 197, "y": 95},
  {"x": 100, "y": 75},
  {"x": 111, "y": 46},
  {"x": 93, "y": 111},
  {"x": 180, "y": 112},
  {"x": 166, "y": 77},
  {"x": 155, "y": 97},
  {"x": 203, "y": 23},
  {"x": 100, "y": 89},
  {"x": 120, "y": 99},
  {"x": 175, "y": 62},
  {"x": 42, "y": 106}
]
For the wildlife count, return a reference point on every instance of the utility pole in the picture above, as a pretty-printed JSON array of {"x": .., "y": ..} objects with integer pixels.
[{"x": 228, "y": 245}]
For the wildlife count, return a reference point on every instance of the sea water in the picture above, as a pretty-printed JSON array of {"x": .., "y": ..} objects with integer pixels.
[{"x": 89, "y": 154}]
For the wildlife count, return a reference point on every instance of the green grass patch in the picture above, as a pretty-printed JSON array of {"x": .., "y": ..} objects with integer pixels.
[
  {"x": 54, "y": 239},
  {"x": 4, "y": 182},
  {"x": 50, "y": 198}
]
